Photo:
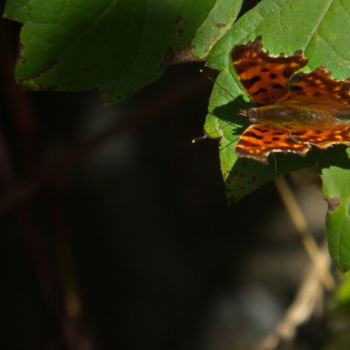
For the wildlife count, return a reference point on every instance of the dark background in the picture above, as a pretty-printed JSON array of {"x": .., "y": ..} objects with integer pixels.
[{"x": 118, "y": 231}]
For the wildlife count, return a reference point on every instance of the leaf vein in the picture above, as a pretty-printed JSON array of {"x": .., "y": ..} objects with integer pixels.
[
  {"x": 331, "y": 46},
  {"x": 88, "y": 28},
  {"x": 345, "y": 9},
  {"x": 317, "y": 25}
]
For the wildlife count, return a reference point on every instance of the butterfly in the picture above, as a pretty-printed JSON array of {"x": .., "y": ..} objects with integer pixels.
[{"x": 295, "y": 110}]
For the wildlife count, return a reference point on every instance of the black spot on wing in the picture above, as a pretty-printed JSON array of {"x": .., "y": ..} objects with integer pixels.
[
  {"x": 296, "y": 88},
  {"x": 248, "y": 83},
  {"x": 299, "y": 133},
  {"x": 260, "y": 129},
  {"x": 287, "y": 73},
  {"x": 245, "y": 143},
  {"x": 277, "y": 86},
  {"x": 252, "y": 134},
  {"x": 261, "y": 90}
]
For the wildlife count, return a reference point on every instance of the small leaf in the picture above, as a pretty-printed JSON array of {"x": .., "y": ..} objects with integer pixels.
[
  {"x": 219, "y": 20},
  {"x": 336, "y": 188}
]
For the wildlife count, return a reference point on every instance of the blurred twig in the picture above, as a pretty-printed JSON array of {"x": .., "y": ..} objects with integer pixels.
[
  {"x": 183, "y": 56},
  {"x": 309, "y": 296},
  {"x": 301, "y": 226},
  {"x": 22, "y": 120},
  {"x": 153, "y": 107},
  {"x": 310, "y": 292}
]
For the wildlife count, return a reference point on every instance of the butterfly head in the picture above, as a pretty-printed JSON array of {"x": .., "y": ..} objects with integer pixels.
[{"x": 250, "y": 114}]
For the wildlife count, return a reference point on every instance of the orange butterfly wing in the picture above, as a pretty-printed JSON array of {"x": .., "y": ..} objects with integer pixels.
[
  {"x": 320, "y": 85},
  {"x": 265, "y": 78},
  {"x": 259, "y": 140},
  {"x": 330, "y": 102}
]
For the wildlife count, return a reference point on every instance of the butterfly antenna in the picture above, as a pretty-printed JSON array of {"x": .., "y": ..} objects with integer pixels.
[
  {"x": 206, "y": 135},
  {"x": 216, "y": 83},
  {"x": 200, "y": 138}
]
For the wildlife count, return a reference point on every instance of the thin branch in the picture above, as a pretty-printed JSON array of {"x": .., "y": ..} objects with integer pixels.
[
  {"x": 309, "y": 296},
  {"x": 301, "y": 226},
  {"x": 159, "y": 103},
  {"x": 183, "y": 56},
  {"x": 23, "y": 122}
]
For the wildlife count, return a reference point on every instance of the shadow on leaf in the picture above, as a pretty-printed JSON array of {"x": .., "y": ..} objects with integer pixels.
[
  {"x": 229, "y": 113},
  {"x": 247, "y": 175}
]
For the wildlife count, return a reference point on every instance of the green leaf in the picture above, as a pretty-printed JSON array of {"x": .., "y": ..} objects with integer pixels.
[
  {"x": 342, "y": 295},
  {"x": 219, "y": 20},
  {"x": 116, "y": 46},
  {"x": 320, "y": 28},
  {"x": 336, "y": 189},
  {"x": 340, "y": 314}
]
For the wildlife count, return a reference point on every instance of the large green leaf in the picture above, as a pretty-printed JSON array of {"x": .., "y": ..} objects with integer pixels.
[
  {"x": 117, "y": 46},
  {"x": 319, "y": 27},
  {"x": 336, "y": 188}
]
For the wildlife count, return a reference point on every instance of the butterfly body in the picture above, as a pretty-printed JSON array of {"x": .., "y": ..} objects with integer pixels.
[
  {"x": 295, "y": 111},
  {"x": 290, "y": 115}
]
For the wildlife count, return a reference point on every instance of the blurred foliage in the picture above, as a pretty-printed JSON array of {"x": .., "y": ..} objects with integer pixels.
[
  {"x": 340, "y": 305},
  {"x": 119, "y": 47}
]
